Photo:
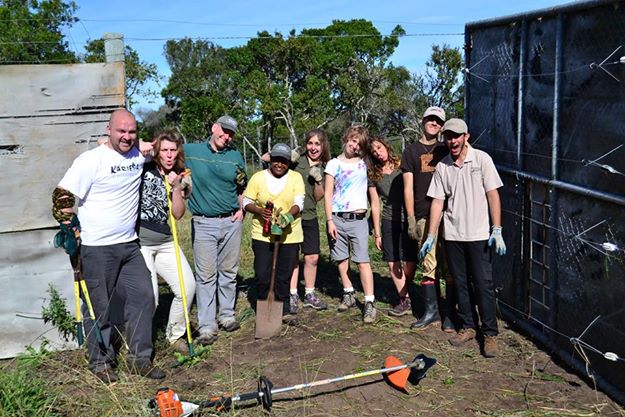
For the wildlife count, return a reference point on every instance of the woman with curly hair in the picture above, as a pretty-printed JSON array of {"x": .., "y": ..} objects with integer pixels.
[{"x": 390, "y": 231}]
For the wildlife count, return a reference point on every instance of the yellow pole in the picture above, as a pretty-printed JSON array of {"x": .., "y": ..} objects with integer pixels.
[{"x": 174, "y": 232}]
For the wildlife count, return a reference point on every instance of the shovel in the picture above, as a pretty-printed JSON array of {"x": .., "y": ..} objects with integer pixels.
[{"x": 269, "y": 311}]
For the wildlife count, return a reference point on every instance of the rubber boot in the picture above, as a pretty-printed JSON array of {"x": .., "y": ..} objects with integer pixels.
[
  {"x": 447, "y": 309},
  {"x": 430, "y": 316}
]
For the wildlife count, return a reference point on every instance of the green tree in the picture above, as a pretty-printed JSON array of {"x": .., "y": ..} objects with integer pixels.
[
  {"x": 442, "y": 82},
  {"x": 440, "y": 85},
  {"x": 201, "y": 87},
  {"x": 139, "y": 74},
  {"x": 31, "y": 31}
]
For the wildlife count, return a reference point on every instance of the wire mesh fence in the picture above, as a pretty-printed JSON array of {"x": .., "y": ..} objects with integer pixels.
[{"x": 545, "y": 95}]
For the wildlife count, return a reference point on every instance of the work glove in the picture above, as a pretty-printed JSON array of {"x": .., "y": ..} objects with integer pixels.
[
  {"x": 412, "y": 227},
  {"x": 427, "y": 246},
  {"x": 316, "y": 174},
  {"x": 295, "y": 154},
  {"x": 284, "y": 220},
  {"x": 186, "y": 184},
  {"x": 497, "y": 239},
  {"x": 276, "y": 230},
  {"x": 241, "y": 179}
]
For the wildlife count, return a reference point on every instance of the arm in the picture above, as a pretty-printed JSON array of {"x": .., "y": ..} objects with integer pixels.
[
  {"x": 318, "y": 191},
  {"x": 436, "y": 213},
  {"x": 408, "y": 193},
  {"x": 327, "y": 204},
  {"x": 177, "y": 195},
  {"x": 375, "y": 214},
  {"x": 494, "y": 206}
]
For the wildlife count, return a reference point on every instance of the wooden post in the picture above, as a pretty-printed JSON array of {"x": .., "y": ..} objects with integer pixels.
[{"x": 114, "y": 47}]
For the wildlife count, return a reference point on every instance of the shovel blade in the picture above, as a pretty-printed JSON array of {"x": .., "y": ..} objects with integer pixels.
[{"x": 268, "y": 318}]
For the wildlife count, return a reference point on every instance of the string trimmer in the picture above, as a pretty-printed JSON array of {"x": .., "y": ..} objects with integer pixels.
[{"x": 396, "y": 373}]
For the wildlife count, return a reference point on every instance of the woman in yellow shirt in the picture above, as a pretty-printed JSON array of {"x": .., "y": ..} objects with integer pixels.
[{"x": 285, "y": 189}]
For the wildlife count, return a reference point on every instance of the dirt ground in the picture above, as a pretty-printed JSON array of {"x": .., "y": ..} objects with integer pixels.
[{"x": 523, "y": 381}]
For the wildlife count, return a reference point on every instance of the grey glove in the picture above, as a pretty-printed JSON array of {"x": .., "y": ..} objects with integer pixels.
[
  {"x": 316, "y": 174},
  {"x": 186, "y": 185},
  {"x": 412, "y": 227},
  {"x": 295, "y": 154}
]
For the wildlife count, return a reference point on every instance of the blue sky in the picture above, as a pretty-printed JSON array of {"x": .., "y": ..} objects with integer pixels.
[{"x": 146, "y": 24}]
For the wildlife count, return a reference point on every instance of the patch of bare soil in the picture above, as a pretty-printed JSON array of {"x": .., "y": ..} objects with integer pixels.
[{"x": 523, "y": 381}]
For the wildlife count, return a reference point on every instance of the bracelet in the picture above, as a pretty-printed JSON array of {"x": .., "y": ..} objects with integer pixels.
[
  {"x": 329, "y": 220},
  {"x": 377, "y": 236}
]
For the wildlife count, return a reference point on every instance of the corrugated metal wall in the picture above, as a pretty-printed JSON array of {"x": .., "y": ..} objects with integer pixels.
[
  {"x": 546, "y": 98},
  {"x": 49, "y": 114}
]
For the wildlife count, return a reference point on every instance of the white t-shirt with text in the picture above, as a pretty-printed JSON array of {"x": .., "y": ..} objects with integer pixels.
[{"x": 107, "y": 186}]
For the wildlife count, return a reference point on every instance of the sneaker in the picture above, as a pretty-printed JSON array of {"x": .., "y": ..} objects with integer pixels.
[
  {"x": 230, "y": 325},
  {"x": 290, "y": 320},
  {"x": 106, "y": 375},
  {"x": 491, "y": 350},
  {"x": 206, "y": 339},
  {"x": 311, "y": 300},
  {"x": 349, "y": 300},
  {"x": 147, "y": 370},
  {"x": 294, "y": 303},
  {"x": 368, "y": 315},
  {"x": 404, "y": 307},
  {"x": 462, "y": 337}
]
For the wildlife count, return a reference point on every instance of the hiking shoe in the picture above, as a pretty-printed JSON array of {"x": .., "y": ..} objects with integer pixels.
[
  {"x": 230, "y": 325},
  {"x": 206, "y": 339},
  {"x": 180, "y": 346},
  {"x": 147, "y": 370},
  {"x": 462, "y": 337},
  {"x": 349, "y": 300},
  {"x": 368, "y": 315},
  {"x": 311, "y": 300},
  {"x": 106, "y": 375},
  {"x": 290, "y": 320},
  {"x": 293, "y": 303},
  {"x": 491, "y": 350},
  {"x": 402, "y": 308}
]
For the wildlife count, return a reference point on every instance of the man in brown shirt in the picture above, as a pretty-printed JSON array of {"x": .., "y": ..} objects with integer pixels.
[{"x": 418, "y": 165}]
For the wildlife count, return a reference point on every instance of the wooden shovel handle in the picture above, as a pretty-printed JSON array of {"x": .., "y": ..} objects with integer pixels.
[{"x": 274, "y": 262}]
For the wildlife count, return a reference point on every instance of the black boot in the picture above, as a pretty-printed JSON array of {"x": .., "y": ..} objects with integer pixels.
[
  {"x": 447, "y": 309},
  {"x": 430, "y": 301}
]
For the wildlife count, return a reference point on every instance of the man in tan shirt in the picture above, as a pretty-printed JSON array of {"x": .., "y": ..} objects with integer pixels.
[{"x": 468, "y": 181}]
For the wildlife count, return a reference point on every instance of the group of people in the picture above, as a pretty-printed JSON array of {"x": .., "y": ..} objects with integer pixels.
[{"x": 127, "y": 191}]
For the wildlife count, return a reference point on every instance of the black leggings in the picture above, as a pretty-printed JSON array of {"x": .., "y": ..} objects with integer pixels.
[{"x": 263, "y": 257}]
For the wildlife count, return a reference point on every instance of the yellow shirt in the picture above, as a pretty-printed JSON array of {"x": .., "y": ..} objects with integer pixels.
[{"x": 258, "y": 192}]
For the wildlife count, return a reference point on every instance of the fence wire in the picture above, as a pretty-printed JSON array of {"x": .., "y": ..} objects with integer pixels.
[{"x": 547, "y": 91}]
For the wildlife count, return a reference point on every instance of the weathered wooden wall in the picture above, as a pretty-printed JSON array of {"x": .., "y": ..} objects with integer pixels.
[{"x": 49, "y": 114}]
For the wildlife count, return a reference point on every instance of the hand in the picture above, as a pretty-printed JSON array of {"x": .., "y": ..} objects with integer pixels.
[
  {"x": 174, "y": 179},
  {"x": 412, "y": 228},
  {"x": 146, "y": 148},
  {"x": 241, "y": 179},
  {"x": 316, "y": 174},
  {"x": 266, "y": 213},
  {"x": 427, "y": 246},
  {"x": 186, "y": 184},
  {"x": 378, "y": 242},
  {"x": 284, "y": 220},
  {"x": 276, "y": 230},
  {"x": 295, "y": 154},
  {"x": 497, "y": 239}
]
